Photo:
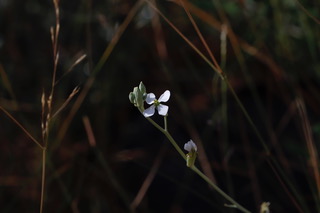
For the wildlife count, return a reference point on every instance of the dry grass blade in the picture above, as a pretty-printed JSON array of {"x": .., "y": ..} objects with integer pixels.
[
  {"x": 47, "y": 104},
  {"x": 54, "y": 37},
  {"x": 308, "y": 13},
  {"x": 7, "y": 85},
  {"x": 310, "y": 142},
  {"x": 81, "y": 58},
  {"x": 43, "y": 110},
  {"x": 73, "y": 93},
  {"x": 223, "y": 45},
  {"x": 98, "y": 67},
  {"x": 203, "y": 159},
  {"x": 285, "y": 188},
  {"x": 21, "y": 127},
  {"x": 112, "y": 178},
  {"x": 55, "y": 32},
  {"x": 195, "y": 26},
  {"x": 88, "y": 128},
  {"x": 236, "y": 42},
  {"x": 145, "y": 186},
  {"x": 159, "y": 36},
  {"x": 183, "y": 37},
  {"x": 75, "y": 63}
]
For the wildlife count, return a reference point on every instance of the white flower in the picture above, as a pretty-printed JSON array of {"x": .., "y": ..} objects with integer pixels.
[
  {"x": 162, "y": 109},
  {"x": 190, "y": 146}
]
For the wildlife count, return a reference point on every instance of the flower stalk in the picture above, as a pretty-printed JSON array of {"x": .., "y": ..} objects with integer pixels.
[{"x": 137, "y": 97}]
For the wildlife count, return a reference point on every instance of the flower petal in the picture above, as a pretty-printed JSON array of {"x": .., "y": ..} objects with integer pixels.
[
  {"x": 187, "y": 147},
  {"x": 190, "y": 146},
  {"x": 150, "y": 98},
  {"x": 149, "y": 111},
  {"x": 165, "y": 96},
  {"x": 162, "y": 109}
]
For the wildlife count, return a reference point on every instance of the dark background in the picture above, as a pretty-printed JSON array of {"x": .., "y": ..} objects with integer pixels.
[{"x": 272, "y": 63}]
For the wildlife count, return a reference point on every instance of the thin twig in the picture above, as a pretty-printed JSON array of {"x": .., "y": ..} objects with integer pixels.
[
  {"x": 310, "y": 142},
  {"x": 47, "y": 105},
  {"x": 97, "y": 68},
  {"x": 147, "y": 182},
  {"x": 89, "y": 131},
  {"x": 73, "y": 93},
  {"x": 235, "y": 41},
  {"x": 308, "y": 13},
  {"x": 21, "y": 127},
  {"x": 44, "y": 151},
  {"x": 195, "y": 26},
  {"x": 183, "y": 37}
]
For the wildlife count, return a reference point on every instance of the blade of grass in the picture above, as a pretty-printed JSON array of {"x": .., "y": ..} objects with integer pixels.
[
  {"x": 235, "y": 41},
  {"x": 110, "y": 174},
  {"x": 47, "y": 104},
  {"x": 204, "y": 43},
  {"x": 97, "y": 68},
  {"x": 307, "y": 12},
  {"x": 313, "y": 153},
  {"x": 148, "y": 180},
  {"x": 21, "y": 127},
  {"x": 159, "y": 36},
  {"x": 184, "y": 38},
  {"x": 7, "y": 85}
]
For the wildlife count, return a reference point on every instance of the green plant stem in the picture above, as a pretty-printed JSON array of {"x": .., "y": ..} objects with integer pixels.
[
  {"x": 165, "y": 123},
  {"x": 168, "y": 135},
  {"x": 204, "y": 177},
  {"x": 194, "y": 168}
]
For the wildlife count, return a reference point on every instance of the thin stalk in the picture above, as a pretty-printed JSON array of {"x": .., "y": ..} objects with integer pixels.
[
  {"x": 21, "y": 127},
  {"x": 165, "y": 123},
  {"x": 174, "y": 143},
  {"x": 246, "y": 114},
  {"x": 184, "y": 38},
  {"x": 43, "y": 177},
  {"x": 227, "y": 197},
  {"x": 195, "y": 169},
  {"x": 168, "y": 135},
  {"x": 118, "y": 34}
]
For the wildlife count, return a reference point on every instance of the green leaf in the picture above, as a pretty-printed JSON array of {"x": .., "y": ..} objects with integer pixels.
[
  {"x": 142, "y": 88},
  {"x": 132, "y": 97}
]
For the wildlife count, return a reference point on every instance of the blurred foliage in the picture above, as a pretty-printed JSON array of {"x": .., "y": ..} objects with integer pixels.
[{"x": 272, "y": 61}]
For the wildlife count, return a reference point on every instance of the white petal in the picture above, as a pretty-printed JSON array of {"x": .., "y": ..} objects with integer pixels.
[
  {"x": 190, "y": 146},
  {"x": 187, "y": 147},
  {"x": 165, "y": 96},
  {"x": 162, "y": 109},
  {"x": 150, "y": 98},
  {"x": 149, "y": 112}
]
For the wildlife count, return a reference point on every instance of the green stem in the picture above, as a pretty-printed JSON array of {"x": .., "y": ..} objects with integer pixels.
[
  {"x": 168, "y": 135},
  {"x": 195, "y": 169},
  {"x": 174, "y": 143},
  {"x": 204, "y": 177},
  {"x": 165, "y": 123}
]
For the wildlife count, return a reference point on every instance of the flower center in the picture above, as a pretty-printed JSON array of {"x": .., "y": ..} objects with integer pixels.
[{"x": 156, "y": 103}]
